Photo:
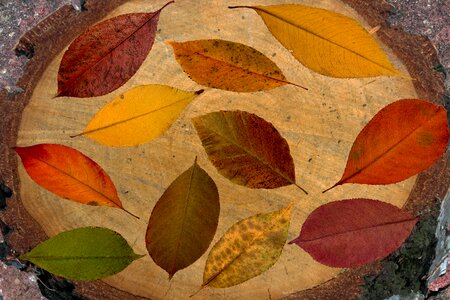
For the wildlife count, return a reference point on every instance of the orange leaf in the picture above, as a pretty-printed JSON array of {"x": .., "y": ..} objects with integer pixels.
[
  {"x": 228, "y": 66},
  {"x": 69, "y": 174},
  {"x": 401, "y": 140}
]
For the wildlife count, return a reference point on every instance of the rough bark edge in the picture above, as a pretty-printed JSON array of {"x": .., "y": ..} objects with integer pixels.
[{"x": 429, "y": 85}]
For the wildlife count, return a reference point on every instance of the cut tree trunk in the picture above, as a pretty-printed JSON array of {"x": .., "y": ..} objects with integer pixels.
[{"x": 319, "y": 125}]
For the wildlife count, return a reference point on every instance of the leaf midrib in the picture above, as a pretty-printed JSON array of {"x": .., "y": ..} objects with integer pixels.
[
  {"x": 321, "y": 37},
  {"x": 332, "y": 235},
  {"x": 77, "y": 180}
]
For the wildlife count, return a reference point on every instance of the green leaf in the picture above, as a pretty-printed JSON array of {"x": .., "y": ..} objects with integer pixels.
[
  {"x": 87, "y": 253},
  {"x": 183, "y": 221}
]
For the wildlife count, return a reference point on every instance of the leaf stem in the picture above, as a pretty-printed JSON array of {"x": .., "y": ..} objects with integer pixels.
[
  {"x": 168, "y": 3},
  {"x": 331, "y": 187},
  {"x": 201, "y": 288},
  {"x": 303, "y": 190},
  {"x": 131, "y": 214}
]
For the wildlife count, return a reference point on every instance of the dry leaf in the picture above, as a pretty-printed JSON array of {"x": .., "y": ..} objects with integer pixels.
[
  {"x": 138, "y": 116},
  {"x": 324, "y": 41},
  {"x": 228, "y": 66},
  {"x": 354, "y": 232},
  {"x": 183, "y": 221},
  {"x": 401, "y": 140},
  {"x": 106, "y": 55},
  {"x": 69, "y": 174},
  {"x": 246, "y": 149},
  {"x": 247, "y": 249}
]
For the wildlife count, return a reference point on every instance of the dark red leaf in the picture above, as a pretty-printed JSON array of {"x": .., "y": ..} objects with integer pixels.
[
  {"x": 354, "y": 232},
  {"x": 107, "y": 55}
]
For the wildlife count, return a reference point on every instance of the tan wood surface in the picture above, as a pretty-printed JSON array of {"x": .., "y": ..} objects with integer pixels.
[{"x": 319, "y": 125}]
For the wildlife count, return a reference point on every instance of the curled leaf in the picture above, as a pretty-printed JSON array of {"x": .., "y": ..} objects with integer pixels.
[
  {"x": 401, "y": 140},
  {"x": 138, "y": 116},
  {"x": 324, "y": 41},
  {"x": 183, "y": 221},
  {"x": 106, "y": 55},
  {"x": 87, "y": 253},
  {"x": 228, "y": 65},
  {"x": 246, "y": 149},
  {"x": 350, "y": 233},
  {"x": 69, "y": 174},
  {"x": 247, "y": 249}
]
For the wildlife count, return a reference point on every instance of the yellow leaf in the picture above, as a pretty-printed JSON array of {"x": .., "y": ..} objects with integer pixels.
[
  {"x": 138, "y": 116},
  {"x": 326, "y": 42},
  {"x": 249, "y": 248},
  {"x": 228, "y": 66}
]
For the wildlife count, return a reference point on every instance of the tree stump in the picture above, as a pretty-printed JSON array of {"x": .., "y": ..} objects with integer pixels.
[{"x": 319, "y": 125}]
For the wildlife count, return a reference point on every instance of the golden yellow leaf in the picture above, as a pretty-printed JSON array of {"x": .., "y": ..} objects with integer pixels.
[
  {"x": 326, "y": 42},
  {"x": 139, "y": 115},
  {"x": 249, "y": 248},
  {"x": 228, "y": 66}
]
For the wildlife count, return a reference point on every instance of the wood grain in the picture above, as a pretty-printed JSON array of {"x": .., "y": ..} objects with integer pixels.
[{"x": 319, "y": 125}]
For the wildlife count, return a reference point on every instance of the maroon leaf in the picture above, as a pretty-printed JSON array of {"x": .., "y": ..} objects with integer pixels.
[
  {"x": 354, "y": 232},
  {"x": 107, "y": 55}
]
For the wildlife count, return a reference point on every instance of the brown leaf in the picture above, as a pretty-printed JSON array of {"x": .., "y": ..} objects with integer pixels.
[
  {"x": 228, "y": 66},
  {"x": 350, "y": 233},
  {"x": 183, "y": 221},
  {"x": 246, "y": 149},
  {"x": 106, "y": 55},
  {"x": 401, "y": 140}
]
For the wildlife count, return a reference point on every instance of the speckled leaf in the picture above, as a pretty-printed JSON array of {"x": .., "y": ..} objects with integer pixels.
[
  {"x": 401, "y": 140},
  {"x": 183, "y": 221},
  {"x": 327, "y": 42},
  {"x": 228, "y": 66},
  {"x": 353, "y": 232},
  {"x": 249, "y": 248},
  {"x": 246, "y": 149},
  {"x": 87, "y": 253},
  {"x": 106, "y": 55}
]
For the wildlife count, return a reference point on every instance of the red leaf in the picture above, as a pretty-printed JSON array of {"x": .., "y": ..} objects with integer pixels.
[
  {"x": 107, "y": 55},
  {"x": 401, "y": 140},
  {"x": 354, "y": 232}
]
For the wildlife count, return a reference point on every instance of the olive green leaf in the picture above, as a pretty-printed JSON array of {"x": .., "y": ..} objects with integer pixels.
[
  {"x": 249, "y": 248},
  {"x": 87, "y": 253},
  {"x": 183, "y": 221}
]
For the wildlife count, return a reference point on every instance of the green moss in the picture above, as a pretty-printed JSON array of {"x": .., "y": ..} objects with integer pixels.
[{"x": 404, "y": 270}]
